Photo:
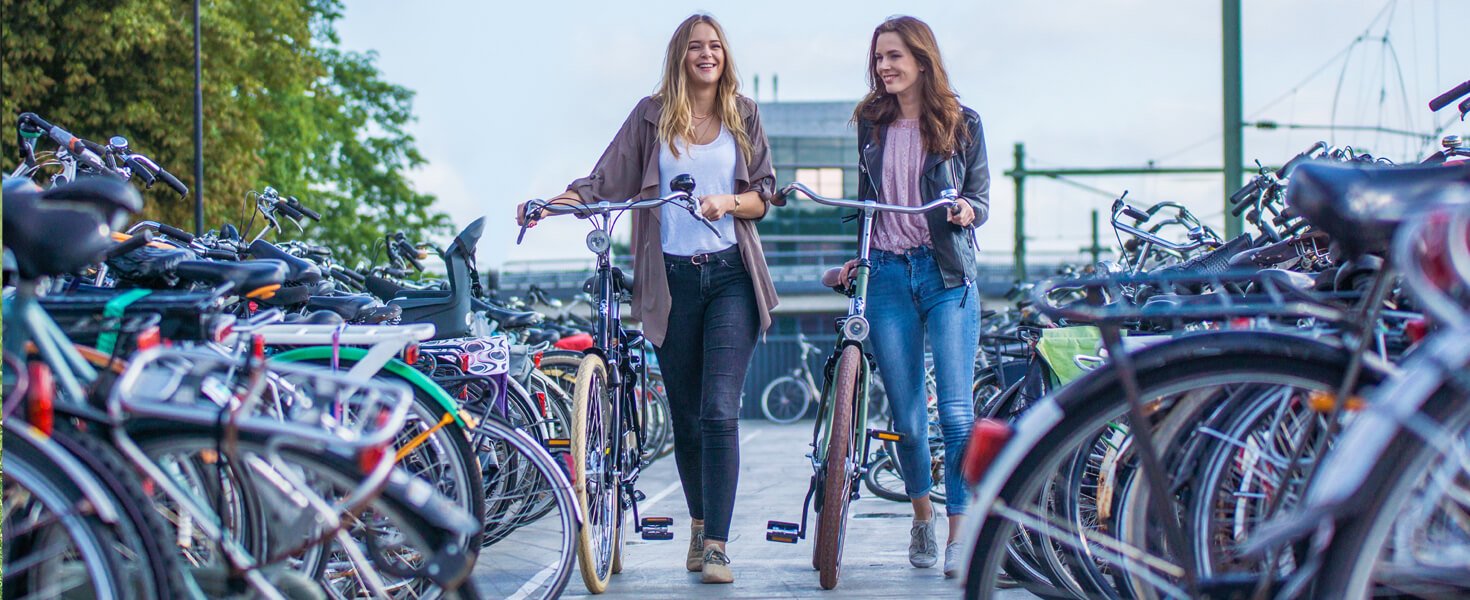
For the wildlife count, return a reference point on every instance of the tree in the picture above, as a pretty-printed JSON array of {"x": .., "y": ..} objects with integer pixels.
[{"x": 284, "y": 106}]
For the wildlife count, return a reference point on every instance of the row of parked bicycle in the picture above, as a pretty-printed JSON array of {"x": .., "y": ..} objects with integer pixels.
[
  {"x": 1284, "y": 414},
  {"x": 219, "y": 415}
]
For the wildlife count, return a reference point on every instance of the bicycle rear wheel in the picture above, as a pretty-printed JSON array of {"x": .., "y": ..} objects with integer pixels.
[
  {"x": 594, "y": 477},
  {"x": 785, "y": 400},
  {"x": 56, "y": 543},
  {"x": 837, "y": 472},
  {"x": 533, "y": 559}
]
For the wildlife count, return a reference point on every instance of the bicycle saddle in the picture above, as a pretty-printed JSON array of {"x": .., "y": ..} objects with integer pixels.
[
  {"x": 298, "y": 271},
  {"x": 832, "y": 278},
  {"x": 348, "y": 307},
  {"x": 379, "y": 315},
  {"x": 63, "y": 229},
  {"x": 246, "y": 278},
  {"x": 507, "y": 318},
  {"x": 148, "y": 264},
  {"x": 1361, "y": 206},
  {"x": 321, "y": 317}
]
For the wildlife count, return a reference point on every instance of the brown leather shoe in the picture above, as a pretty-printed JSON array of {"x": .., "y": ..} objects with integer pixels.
[
  {"x": 716, "y": 567},
  {"x": 695, "y": 561}
]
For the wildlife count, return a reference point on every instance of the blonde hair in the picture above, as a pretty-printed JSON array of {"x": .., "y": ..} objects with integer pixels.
[{"x": 676, "y": 122}]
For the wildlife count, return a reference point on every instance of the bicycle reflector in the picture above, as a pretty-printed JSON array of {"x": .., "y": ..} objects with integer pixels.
[
  {"x": 40, "y": 396},
  {"x": 370, "y": 457},
  {"x": 148, "y": 338},
  {"x": 411, "y": 353},
  {"x": 986, "y": 440}
]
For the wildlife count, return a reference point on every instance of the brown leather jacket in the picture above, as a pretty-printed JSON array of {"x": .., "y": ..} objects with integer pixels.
[{"x": 629, "y": 169}]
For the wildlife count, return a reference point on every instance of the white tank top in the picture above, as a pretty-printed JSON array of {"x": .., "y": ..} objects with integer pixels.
[{"x": 713, "y": 167}]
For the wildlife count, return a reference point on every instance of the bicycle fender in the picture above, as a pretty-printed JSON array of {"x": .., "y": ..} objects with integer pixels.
[{"x": 397, "y": 368}]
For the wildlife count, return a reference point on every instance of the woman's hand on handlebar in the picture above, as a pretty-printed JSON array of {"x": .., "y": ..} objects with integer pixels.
[
  {"x": 964, "y": 215},
  {"x": 714, "y": 207},
  {"x": 568, "y": 197}
]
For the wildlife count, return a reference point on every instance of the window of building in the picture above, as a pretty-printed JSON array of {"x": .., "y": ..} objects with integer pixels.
[{"x": 826, "y": 181}]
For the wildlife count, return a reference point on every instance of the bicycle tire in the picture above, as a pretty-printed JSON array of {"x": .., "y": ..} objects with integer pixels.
[
  {"x": 791, "y": 405},
  {"x": 447, "y": 439},
  {"x": 837, "y": 472},
  {"x": 38, "y": 492},
  {"x": 1078, "y": 411},
  {"x": 884, "y": 466},
  {"x": 547, "y": 580},
  {"x": 1360, "y": 535},
  {"x": 151, "y": 533},
  {"x": 591, "y": 408}
]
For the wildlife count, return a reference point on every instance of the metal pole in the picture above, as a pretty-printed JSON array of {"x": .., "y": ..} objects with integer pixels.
[
  {"x": 1019, "y": 176},
  {"x": 198, "y": 130},
  {"x": 1096, "y": 248},
  {"x": 1234, "y": 129}
]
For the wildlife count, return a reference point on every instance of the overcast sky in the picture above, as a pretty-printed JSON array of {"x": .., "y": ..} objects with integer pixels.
[{"x": 516, "y": 99}]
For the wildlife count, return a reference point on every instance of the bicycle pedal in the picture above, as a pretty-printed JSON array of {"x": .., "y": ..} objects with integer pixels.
[
  {"x": 657, "y": 533},
  {"x": 658, "y": 522},
  {"x": 553, "y": 443},
  {"x": 884, "y": 435},
  {"x": 783, "y": 532}
]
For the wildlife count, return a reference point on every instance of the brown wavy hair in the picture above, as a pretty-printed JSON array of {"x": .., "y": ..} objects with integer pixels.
[
  {"x": 677, "y": 120},
  {"x": 941, "y": 119}
]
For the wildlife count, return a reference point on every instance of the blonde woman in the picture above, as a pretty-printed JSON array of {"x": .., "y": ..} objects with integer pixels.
[{"x": 702, "y": 298}]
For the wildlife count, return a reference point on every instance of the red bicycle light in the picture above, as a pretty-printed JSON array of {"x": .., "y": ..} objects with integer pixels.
[
  {"x": 41, "y": 396},
  {"x": 986, "y": 440},
  {"x": 464, "y": 363},
  {"x": 257, "y": 347},
  {"x": 1416, "y": 329},
  {"x": 536, "y": 359},
  {"x": 370, "y": 457},
  {"x": 411, "y": 354},
  {"x": 148, "y": 338}
]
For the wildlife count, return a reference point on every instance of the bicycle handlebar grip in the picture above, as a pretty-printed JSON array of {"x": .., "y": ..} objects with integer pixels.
[
  {"x": 176, "y": 233},
  {"x": 1446, "y": 98},
  {"x": 35, "y": 120},
  {"x": 1291, "y": 165},
  {"x": 140, "y": 170},
  {"x": 411, "y": 254},
  {"x": 131, "y": 244},
  {"x": 216, "y": 254},
  {"x": 290, "y": 211},
  {"x": 1134, "y": 213},
  {"x": 173, "y": 182},
  {"x": 310, "y": 214},
  {"x": 353, "y": 275}
]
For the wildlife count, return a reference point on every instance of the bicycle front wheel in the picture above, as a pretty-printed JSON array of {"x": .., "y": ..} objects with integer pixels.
[
  {"x": 837, "y": 469},
  {"x": 785, "y": 400},
  {"x": 594, "y": 476}
]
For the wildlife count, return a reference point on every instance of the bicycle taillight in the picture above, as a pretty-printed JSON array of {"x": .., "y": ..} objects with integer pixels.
[
  {"x": 986, "y": 440},
  {"x": 40, "y": 396}
]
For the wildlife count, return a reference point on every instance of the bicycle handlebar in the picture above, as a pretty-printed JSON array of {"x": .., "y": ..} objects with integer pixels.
[
  {"x": 1446, "y": 98},
  {"x": 682, "y": 195},
  {"x": 949, "y": 197}
]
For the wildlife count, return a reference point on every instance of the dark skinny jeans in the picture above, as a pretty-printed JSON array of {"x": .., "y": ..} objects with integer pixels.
[{"x": 712, "y": 332}]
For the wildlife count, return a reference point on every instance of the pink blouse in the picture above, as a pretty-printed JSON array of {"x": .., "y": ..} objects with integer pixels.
[{"x": 903, "y": 158}]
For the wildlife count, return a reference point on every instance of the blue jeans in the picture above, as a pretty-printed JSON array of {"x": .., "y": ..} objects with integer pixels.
[{"x": 907, "y": 300}]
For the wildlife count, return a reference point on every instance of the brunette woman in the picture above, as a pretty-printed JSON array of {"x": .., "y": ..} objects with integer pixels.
[
  {"x": 702, "y": 298},
  {"x": 917, "y": 140}
]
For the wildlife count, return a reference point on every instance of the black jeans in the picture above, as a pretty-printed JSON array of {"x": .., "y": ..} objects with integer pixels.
[{"x": 713, "y": 325}]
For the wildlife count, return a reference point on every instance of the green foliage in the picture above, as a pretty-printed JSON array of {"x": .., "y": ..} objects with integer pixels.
[{"x": 284, "y": 106}]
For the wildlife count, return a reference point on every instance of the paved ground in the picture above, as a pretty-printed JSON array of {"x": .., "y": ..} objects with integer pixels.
[{"x": 773, "y": 481}]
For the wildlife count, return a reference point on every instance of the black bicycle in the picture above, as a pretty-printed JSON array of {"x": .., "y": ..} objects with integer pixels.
[{"x": 607, "y": 431}]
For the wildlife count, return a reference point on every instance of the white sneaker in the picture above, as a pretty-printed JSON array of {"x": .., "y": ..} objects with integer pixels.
[
  {"x": 923, "y": 550},
  {"x": 951, "y": 559}
]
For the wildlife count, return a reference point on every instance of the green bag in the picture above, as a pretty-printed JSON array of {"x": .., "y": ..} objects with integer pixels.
[{"x": 1060, "y": 345}]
